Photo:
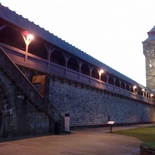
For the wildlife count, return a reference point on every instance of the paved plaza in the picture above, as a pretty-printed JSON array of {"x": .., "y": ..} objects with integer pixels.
[{"x": 90, "y": 141}]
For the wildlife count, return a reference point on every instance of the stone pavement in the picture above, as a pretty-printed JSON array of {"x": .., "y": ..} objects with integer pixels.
[{"x": 90, "y": 141}]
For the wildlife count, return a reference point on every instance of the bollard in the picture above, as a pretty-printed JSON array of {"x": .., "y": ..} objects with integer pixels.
[{"x": 67, "y": 123}]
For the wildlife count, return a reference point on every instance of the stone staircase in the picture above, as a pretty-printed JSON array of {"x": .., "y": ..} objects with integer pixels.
[{"x": 11, "y": 71}]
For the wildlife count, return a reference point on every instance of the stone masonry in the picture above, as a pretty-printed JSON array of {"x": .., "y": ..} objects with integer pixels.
[
  {"x": 88, "y": 106},
  {"x": 18, "y": 115}
]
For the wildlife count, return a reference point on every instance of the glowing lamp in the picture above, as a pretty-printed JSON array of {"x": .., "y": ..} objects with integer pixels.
[
  {"x": 30, "y": 37},
  {"x": 101, "y": 71}
]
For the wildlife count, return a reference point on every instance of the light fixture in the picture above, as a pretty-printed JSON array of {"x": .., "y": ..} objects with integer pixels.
[
  {"x": 101, "y": 71},
  {"x": 28, "y": 37}
]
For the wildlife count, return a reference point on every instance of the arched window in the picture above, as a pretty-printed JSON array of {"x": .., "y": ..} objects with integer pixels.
[
  {"x": 111, "y": 80},
  {"x": 95, "y": 73},
  {"x": 132, "y": 89},
  {"x": 117, "y": 84},
  {"x": 127, "y": 87},
  {"x": 73, "y": 64},
  {"x": 122, "y": 85},
  {"x": 104, "y": 77},
  {"x": 139, "y": 91},
  {"x": 58, "y": 58},
  {"x": 12, "y": 37},
  {"x": 85, "y": 69},
  {"x": 37, "y": 47}
]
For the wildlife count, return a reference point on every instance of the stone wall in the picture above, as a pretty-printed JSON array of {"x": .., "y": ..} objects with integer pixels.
[
  {"x": 86, "y": 106},
  {"x": 29, "y": 120},
  {"x": 90, "y": 106},
  {"x": 18, "y": 116}
]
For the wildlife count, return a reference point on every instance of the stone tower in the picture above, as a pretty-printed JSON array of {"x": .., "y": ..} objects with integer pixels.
[{"x": 149, "y": 52}]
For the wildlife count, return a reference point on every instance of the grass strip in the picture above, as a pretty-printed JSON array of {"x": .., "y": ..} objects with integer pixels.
[{"x": 145, "y": 134}]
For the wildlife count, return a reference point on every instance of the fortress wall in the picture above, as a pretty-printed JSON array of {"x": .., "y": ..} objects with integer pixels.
[
  {"x": 91, "y": 106},
  {"x": 88, "y": 106}
]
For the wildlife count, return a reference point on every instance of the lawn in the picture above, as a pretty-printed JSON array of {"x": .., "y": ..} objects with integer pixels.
[{"x": 145, "y": 134}]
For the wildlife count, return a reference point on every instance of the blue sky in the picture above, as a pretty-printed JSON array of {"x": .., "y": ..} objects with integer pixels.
[{"x": 111, "y": 31}]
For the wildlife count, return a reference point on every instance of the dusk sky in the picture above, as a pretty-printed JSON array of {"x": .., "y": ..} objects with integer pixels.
[{"x": 111, "y": 31}]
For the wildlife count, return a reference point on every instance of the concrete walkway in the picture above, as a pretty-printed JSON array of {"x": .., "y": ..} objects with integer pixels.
[{"x": 90, "y": 141}]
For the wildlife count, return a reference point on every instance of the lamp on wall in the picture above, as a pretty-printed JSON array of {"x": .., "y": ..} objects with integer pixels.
[
  {"x": 143, "y": 90},
  {"x": 28, "y": 37},
  {"x": 135, "y": 89},
  {"x": 101, "y": 71},
  {"x": 151, "y": 95}
]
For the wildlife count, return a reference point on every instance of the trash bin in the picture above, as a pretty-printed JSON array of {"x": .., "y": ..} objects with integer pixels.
[{"x": 57, "y": 128}]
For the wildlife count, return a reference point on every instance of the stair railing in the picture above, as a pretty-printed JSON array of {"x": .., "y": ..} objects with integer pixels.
[{"x": 27, "y": 87}]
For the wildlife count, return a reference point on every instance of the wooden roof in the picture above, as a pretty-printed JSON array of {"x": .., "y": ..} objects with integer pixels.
[{"x": 21, "y": 22}]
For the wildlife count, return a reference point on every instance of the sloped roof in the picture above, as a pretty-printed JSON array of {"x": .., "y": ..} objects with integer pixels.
[
  {"x": 151, "y": 35},
  {"x": 152, "y": 30},
  {"x": 18, "y": 20}
]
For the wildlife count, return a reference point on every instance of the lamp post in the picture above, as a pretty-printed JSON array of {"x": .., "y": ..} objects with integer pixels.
[{"x": 28, "y": 39}]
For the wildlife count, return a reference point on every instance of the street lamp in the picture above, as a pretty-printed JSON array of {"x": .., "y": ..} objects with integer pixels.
[
  {"x": 28, "y": 39},
  {"x": 101, "y": 71}
]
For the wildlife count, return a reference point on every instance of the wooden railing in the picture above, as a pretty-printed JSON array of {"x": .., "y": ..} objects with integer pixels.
[
  {"x": 21, "y": 81},
  {"x": 46, "y": 66}
]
